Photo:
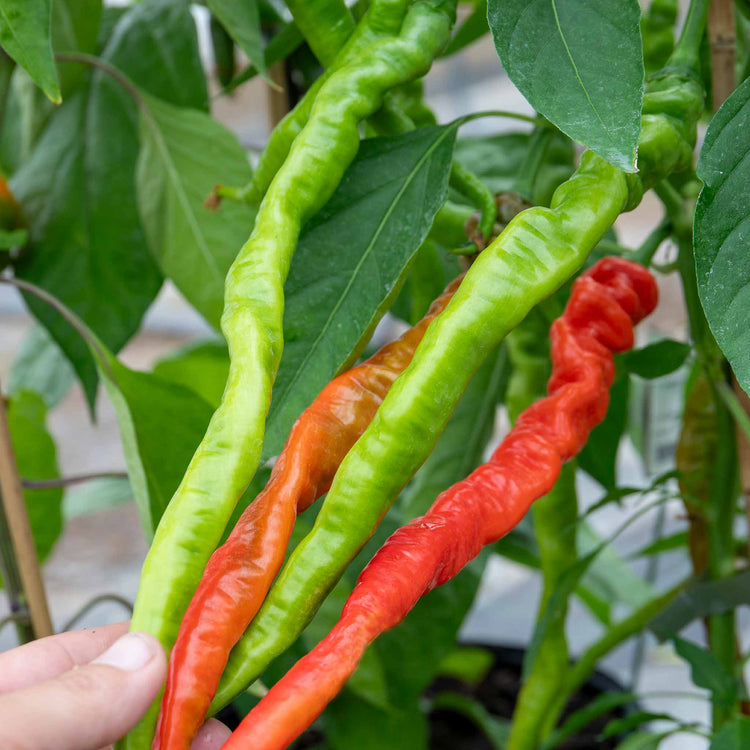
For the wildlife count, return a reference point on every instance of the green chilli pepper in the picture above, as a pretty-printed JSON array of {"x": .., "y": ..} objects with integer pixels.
[
  {"x": 228, "y": 455},
  {"x": 538, "y": 251}
]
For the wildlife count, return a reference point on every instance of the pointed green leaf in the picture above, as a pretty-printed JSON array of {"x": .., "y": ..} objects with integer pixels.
[
  {"x": 350, "y": 260},
  {"x": 25, "y": 34},
  {"x": 579, "y": 63},
  {"x": 87, "y": 246},
  {"x": 656, "y": 360},
  {"x": 734, "y": 735},
  {"x": 242, "y": 21},
  {"x": 708, "y": 672},
  {"x": 184, "y": 154},
  {"x": 722, "y": 228}
]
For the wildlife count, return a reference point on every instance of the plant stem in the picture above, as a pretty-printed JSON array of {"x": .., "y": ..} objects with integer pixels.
[
  {"x": 687, "y": 50},
  {"x": 19, "y": 615},
  {"x": 555, "y": 517},
  {"x": 45, "y": 484},
  {"x": 722, "y": 634},
  {"x": 614, "y": 637},
  {"x": 19, "y": 529}
]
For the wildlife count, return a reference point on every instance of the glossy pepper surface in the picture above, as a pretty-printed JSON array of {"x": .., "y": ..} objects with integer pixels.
[
  {"x": 325, "y": 24},
  {"x": 240, "y": 572},
  {"x": 605, "y": 304},
  {"x": 228, "y": 455},
  {"x": 537, "y": 252}
]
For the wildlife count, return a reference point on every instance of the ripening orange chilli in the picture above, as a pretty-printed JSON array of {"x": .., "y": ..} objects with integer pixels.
[
  {"x": 605, "y": 304},
  {"x": 241, "y": 571}
]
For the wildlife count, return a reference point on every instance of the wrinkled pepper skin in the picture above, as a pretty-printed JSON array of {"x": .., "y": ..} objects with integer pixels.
[
  {"x": 605, "y": 304},
  {"x": 241, "y": 571},
  {"x": 538, "y": 251},
  {"x": 226, "y": 460}
]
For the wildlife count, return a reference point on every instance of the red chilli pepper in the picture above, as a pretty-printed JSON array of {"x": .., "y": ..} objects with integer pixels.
[
  {"x": 240, "y": 572},
  {"x": 605, "y": 304}
]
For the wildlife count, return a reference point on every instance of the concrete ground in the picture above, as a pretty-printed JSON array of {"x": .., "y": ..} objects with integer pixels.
[{"x": 101, "y": 553}]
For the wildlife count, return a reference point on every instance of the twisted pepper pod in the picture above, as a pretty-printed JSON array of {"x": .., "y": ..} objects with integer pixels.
[
  {"x": 228, "y": 455},
  {"x": 605, "y": 304},
  {"x": 537, "y": 252},
  {"x": 240, "y": 572}
]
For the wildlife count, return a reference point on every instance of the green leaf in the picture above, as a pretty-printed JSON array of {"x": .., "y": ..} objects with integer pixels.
[
  {"x": 474, "y": 27},
  {"x": 36, "y": 459},
  {"x": 95, "y": 495},
  {"x": 75, "y": 26},
  {"x": 203, "y": 368},
  {"x": 581, "y": 718},
  {"x": 41, "y": 367},
  {"x": 734, "y": 735},
  {"x": 25, "y": 34},
  {"x": 722, "y": 223},
  {"x": 349, "y": 262},
  {"x": 184, "y": 154},
  {"x": 701, "y": 599},
  {"x": 642, "y": 741},
  {"x": 161, "y": 424},
  {"x": 708, "y": 672},
  {"x": 467, "y": 663},
  {"x": 579, "y": 63},
  {"x": 617, "y": 727},
  {"x": 599, "y": 455},
  {"x": 12, "y": 239},
  {"x": 242, "y": 21},
  {"x": 656, "y": 360},
  {"x": 87, "y": 246},
  {"x": 496, "y": 730}
]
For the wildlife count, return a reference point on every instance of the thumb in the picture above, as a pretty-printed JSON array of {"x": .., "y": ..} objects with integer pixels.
[{"x": 89, "y": 706}]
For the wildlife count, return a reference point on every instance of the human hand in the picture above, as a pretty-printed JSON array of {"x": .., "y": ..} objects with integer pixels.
[{"x": 83, "y": 690}]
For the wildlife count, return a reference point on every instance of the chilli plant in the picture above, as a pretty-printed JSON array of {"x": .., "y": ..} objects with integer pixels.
[{"x": 338, "y": 620}]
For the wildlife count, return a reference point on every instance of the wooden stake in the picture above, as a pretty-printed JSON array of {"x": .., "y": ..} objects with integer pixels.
[
  {"x": 722, "y": 40},
  {"x": 278, "y": 98},
  {"x": 21, "y": 537}
]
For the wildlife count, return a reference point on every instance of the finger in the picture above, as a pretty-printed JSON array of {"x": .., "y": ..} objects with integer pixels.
[
  {"x": 212, "y": 735},
  {"x": 48, "y": 657},
  {"x": 90, "y": 706}
]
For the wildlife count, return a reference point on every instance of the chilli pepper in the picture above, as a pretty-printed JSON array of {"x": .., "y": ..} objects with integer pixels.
[
  {"x": 605, "y": 304},
  {"x": 228, "y": 455},
  {"x": 240, "y": 572},
  {"x": 538, "y": 251}
]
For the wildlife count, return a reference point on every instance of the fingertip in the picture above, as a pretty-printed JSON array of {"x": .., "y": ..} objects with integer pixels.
[
  {"x": 212, "y": 735},
  {"x": 131, "y": 652}
]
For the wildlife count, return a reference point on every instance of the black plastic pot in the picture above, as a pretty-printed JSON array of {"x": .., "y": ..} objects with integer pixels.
[{"x": 498, "y": 691}]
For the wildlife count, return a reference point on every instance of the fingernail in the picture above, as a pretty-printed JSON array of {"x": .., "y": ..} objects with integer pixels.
[{"x": 130, "y": 652}]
